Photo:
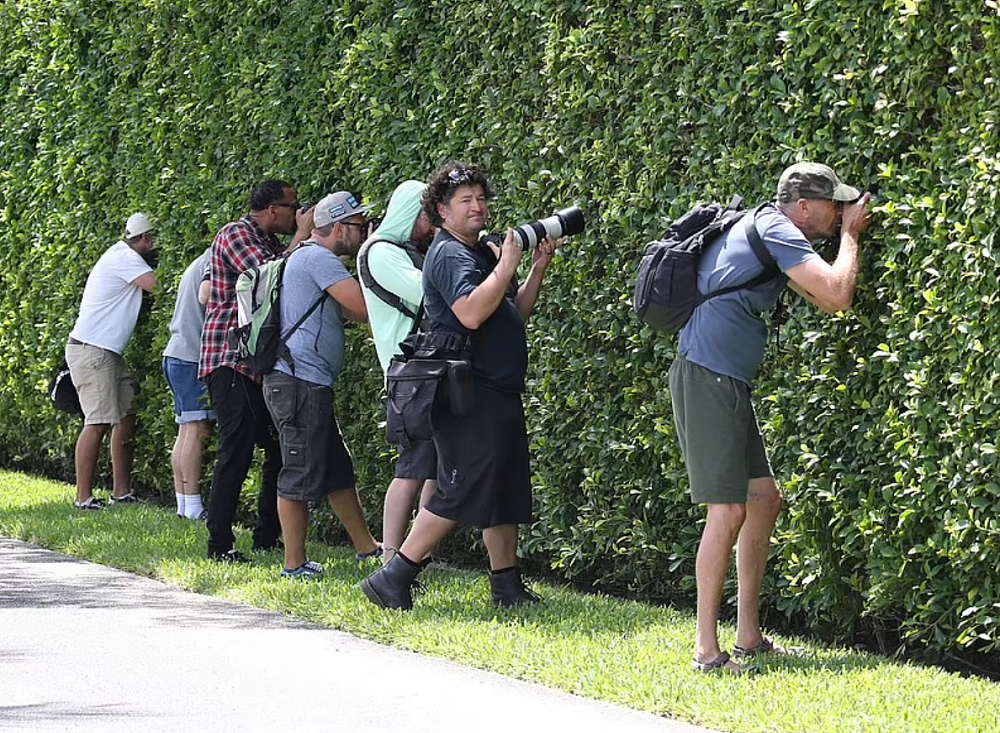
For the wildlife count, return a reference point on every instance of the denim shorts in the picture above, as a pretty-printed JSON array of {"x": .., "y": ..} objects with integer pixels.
[
  {"x": 190, "y": 394},
  {"x": 315, "y": 461}
]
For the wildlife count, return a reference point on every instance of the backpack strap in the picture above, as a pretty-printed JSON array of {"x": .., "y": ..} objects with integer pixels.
[
  {"x": 771, "y": 269},
  {"x": 386, "y": 296}
]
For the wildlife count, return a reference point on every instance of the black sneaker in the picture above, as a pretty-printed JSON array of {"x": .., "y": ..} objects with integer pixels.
[
  {"x": 375, "y": 554},
  {"x": 233, "y": 556},
  {"x": 305, "y": 571},
  {"x": 92, "y": 504}
]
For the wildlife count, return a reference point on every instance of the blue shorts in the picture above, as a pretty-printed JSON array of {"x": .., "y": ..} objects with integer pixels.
[{"x": 190, "y": 394}]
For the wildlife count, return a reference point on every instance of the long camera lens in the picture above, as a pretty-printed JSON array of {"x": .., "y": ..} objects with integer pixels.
[{"x": 564, "y": 223}]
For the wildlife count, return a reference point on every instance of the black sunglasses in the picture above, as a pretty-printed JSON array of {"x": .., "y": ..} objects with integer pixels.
[
  {"x": 353, "y": 224},
  {"x": 293, "y": 206}
]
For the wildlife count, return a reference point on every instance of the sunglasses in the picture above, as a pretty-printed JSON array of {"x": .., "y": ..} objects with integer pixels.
[{"x": 295, "y": 206}]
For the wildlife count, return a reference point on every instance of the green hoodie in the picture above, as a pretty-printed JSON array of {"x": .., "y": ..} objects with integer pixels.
[{"x": 392, "y": 268}]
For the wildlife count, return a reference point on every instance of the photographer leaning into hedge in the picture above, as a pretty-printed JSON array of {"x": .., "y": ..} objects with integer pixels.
[
  {"x": 719, "y": 352},
  {"x": 109, "y": 311},
  {"x": 484, "y": 478}
]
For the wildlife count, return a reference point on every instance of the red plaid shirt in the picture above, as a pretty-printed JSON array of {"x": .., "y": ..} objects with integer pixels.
[{"x": 237, "y": 247}]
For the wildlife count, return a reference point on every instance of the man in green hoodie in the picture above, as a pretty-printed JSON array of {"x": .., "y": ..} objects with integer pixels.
[{"x": 389, "y": 265}]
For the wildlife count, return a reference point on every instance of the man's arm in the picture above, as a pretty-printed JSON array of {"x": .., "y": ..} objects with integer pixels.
[
  {"x": 473, "y": 309},
  {"x": 347, "y": 293},
  {"x": 146, "y": 281},
  {"x": 527, "y": 295},
  {"x": 831, "y": 287},
  {"x": 204, "y": 291}
]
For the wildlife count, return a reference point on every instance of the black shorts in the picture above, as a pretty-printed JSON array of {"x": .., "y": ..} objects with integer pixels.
[
  {"x": 315, "y": 461},
  {"x": 417, "y": 460},
  {"x": 484, "y": 476}
]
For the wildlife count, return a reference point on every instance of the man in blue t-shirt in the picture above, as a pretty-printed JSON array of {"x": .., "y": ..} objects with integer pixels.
[
  {"x": 719, "y": 352},
  {"x": 299, "y": 391},
  {"x": 484, "y": 477}
]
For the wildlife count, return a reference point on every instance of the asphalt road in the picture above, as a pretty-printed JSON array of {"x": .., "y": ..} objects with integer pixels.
[{"x": 88, "y": 648}]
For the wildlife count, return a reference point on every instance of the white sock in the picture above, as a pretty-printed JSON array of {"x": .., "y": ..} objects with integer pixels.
[
  {"x": 192, "y": 506},
  {"x": 180, "y": 504}
]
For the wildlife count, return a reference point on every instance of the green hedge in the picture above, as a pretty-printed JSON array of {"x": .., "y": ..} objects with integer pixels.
[{"x": 882, "y": 423}]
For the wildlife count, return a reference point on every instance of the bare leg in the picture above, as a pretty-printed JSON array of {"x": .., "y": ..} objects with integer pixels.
[
  {"x": 188, "y": 458},
  {"x": 347, "y": 506},
  {"x": 763, "y": 506},
  {"x": 501, "y": 544},
  {"x": 427, "y": 532},
  {"x": 711, "y": 568},
  {"x": 122, "y": 454},
  {"x": 176, "y": 462},
  {"x": 294, "y": 516},
  {"x": 397, "y": 512},
  {"x": 88, "y": 450}
]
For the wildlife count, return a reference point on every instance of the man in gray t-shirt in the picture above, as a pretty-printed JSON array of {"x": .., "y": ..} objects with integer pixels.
[
  {"x": 316, "y": 464},
  {"x": 192, "y": 414},
  {"x": 719, "y": 352}
]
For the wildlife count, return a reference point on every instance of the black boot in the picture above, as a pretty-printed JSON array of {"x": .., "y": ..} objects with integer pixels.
[
  {"x": 389, "y": 586},
  {"x": 509, "y": 590}
]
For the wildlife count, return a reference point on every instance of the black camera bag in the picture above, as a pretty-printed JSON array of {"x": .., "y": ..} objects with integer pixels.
[
  {"x": 433, "y": 372},
  {"x": 62, "y": 391}
]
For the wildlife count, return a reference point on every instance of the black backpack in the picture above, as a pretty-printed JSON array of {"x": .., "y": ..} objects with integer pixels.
[
  {"x": 666, "y": 289},
  {"x": 416, "y": 257}
]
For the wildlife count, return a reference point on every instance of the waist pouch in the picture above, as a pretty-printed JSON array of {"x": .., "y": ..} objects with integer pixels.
[{"x": 419, "y": 386}]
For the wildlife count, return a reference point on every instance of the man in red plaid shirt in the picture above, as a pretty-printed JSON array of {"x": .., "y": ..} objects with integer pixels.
[{"x": 235, "y": 391}]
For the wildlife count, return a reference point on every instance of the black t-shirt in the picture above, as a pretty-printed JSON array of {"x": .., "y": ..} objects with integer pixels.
[{"x": 499, "y": 346}]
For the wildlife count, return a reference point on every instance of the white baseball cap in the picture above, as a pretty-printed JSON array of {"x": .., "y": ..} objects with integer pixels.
[{"x": 137, "y": 224}]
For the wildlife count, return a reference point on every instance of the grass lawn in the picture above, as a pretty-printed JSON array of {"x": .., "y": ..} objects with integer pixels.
[{"x": 623, "y": 652}]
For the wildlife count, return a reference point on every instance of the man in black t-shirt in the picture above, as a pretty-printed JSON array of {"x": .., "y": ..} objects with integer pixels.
[{"x": 484, "y": 477}]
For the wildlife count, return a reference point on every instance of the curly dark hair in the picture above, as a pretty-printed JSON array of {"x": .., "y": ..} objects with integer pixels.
[
  {"x": 267, "y": 193},
  {"x": 446, "y": 179}
]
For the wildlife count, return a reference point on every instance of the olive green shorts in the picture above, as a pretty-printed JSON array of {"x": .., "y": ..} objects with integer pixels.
[{"x": 718, "y": 433}]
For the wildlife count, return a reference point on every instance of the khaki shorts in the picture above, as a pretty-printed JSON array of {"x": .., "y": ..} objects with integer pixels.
[
  {"x": 103, "y": 383},
  {"x": 718, "y": 434}
]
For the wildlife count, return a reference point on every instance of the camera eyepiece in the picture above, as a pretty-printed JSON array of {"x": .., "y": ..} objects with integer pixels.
[{"x": 564, "y": 223}]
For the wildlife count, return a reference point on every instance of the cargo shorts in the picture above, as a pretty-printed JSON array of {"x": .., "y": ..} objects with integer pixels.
[{"x": 718, "y": 433}]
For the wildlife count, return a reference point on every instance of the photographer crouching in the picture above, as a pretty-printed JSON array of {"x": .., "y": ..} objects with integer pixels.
[{"x": 484, "y": 479}]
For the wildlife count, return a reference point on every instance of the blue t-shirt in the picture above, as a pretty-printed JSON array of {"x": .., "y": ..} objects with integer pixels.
[
  {"x": 453, "y": 270},
  {"x": 317, "y": 347},
  {"x": 727, "y": 334}
]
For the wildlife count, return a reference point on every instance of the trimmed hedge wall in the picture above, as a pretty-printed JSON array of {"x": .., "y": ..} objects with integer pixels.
[{"x": 882, "y": 422}]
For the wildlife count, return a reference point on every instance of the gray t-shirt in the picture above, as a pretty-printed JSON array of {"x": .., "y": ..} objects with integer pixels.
[
  {"x": 727, "y": 334},
  {"x": 317, "y": 347},
  {"x": 189, "y": 314}
]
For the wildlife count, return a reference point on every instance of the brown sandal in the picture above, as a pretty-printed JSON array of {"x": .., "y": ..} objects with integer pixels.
[
  {"x": 766, "y": 646},
  {"x": 722, "y": 664}
]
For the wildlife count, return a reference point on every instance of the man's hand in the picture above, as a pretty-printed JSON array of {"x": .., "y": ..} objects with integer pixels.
[
  {"x": 304, "y": 222},
  {"x": 543, "y": 252},
  {"x": 510, "y": 256},
  {"x": 857, "y": 217}
]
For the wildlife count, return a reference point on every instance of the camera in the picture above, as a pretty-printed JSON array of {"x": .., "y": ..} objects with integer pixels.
[
  {"x": 374, "y": 223},
  {"x": 564, "y": 223}
]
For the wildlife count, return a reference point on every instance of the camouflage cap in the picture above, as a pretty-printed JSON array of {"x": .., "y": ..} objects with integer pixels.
[{"x": 813, "y": 181}]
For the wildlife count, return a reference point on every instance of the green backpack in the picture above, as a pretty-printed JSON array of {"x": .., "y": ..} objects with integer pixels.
[{"x": 258, "y": 339}]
